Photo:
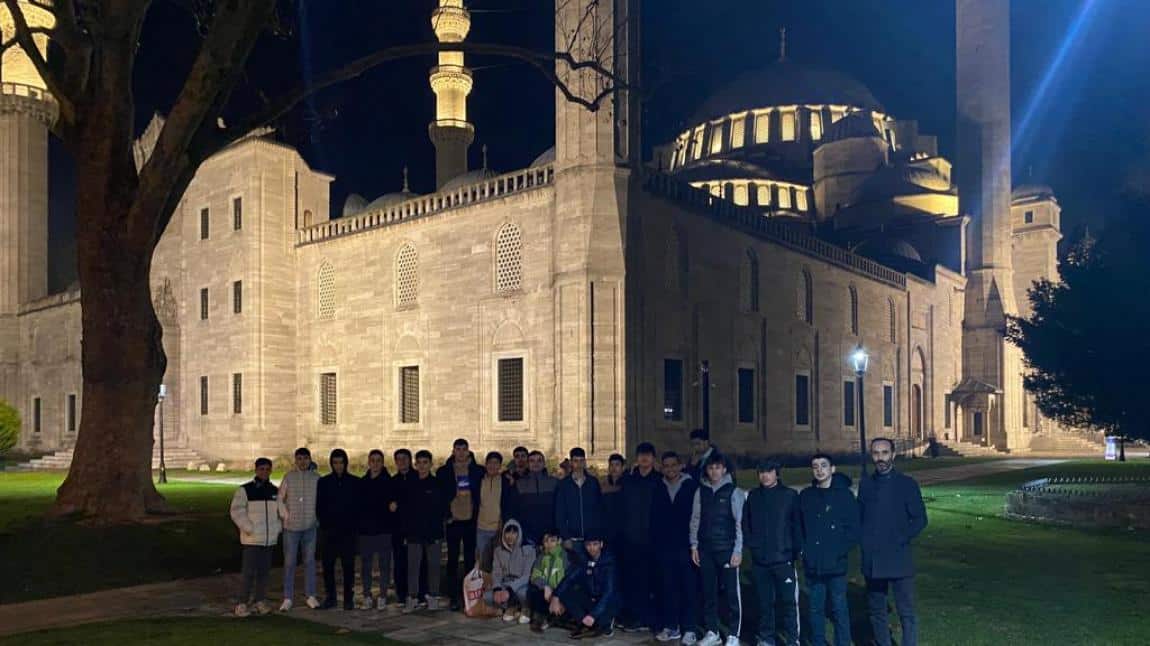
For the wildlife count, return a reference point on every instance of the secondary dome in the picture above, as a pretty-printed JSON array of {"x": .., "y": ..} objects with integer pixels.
[
  {"x": 853, "y": 126},
  {"x": 892, "y": 181},
  {"x": 787, "y": 83},
  {"x": 886, "y": 249},
  {"x": 470, "y": 177},
  {"x": 354, "y": 204}
]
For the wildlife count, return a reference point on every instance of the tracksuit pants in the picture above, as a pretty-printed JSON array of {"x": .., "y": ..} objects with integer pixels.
[
  {"x": 424, "y": 555},
  {"x": 678, "y": 591},
  {"x": 715, "y": 570},
  {"x": 339, "y": 545},
  {"x": 777, "y": 588},
  {"x": 369, "y": 548},
  {"x": 638, "y": 583},
  {"x": 820, "y": 590},
  {"x": 876, "y": 594},
  {"x": 460, "y": 533},
  {"x": 256, "y": 563}
]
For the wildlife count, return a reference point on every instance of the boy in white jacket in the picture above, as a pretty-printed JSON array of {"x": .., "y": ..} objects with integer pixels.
[{"x": 256, "y": 512}]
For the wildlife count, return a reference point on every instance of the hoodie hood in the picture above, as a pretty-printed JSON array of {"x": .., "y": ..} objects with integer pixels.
[
  {"x": 838, "y": 481},
  {"x": 713, "y": 487},
  {"x": 511, "y": 522},
  {"x": 338, "y": 453}
]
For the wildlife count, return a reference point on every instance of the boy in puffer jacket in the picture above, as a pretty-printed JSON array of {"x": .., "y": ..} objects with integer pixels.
[
  {"x": 510, "y": 572},
  {"x": 548, "y": 572},
  {"x": 255, "y": 511}
]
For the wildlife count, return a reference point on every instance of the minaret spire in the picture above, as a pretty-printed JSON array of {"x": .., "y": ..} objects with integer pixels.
[{"x": 451, "y": 132}]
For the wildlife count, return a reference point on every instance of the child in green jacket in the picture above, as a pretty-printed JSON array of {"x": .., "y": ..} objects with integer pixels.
[{"x": 549, "y": 569}]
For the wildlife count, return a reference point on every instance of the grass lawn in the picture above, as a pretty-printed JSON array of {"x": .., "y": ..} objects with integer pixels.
[
  {"x": 197, "y": 631},
  {"x": 43, "y": 558}
]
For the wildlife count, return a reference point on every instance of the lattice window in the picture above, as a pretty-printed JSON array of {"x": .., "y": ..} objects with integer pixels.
[
  {"x": 508, "y": 259},
  {"x": 406, "y": 276},
  {"x": 325, "y": 290},
  {"x": 893, "y": 320},
  {"x": 237, "y": 213},
  {"x": 203, "y": 395},
  {"x": 204, "y": 304},
  {"x": 511, "y": 390},
  {"x": 237, "y": 393},
  {"x": 409, "y": 394},
  {"x": 854, "y": 297},
  {"x": 238, "y": 297},
  {"x": 327, "y": 398}
]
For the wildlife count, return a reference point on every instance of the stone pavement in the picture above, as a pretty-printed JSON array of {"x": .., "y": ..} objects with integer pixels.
[{"x": 211, "y": 596}]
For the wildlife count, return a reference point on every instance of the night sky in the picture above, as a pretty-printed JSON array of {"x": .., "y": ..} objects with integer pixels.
[{"x": 1080, "y": 126}]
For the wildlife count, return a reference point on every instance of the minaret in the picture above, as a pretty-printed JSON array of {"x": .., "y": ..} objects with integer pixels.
[
  {"x": 451, "y": 81},
  {"x": 983, "y": 178},
  {"x": 26, "y": 112}
]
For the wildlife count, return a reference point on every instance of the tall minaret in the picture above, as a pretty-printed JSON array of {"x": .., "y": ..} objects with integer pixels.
[
  {"x": 983, "y": 177},
  {"x": 451, "y": 81},
  {"x": 26, "y": 112}
]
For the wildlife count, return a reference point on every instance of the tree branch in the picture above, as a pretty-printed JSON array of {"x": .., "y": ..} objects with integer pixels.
[
  {"x": 543, "y": 62},
  {"x": 23, "y": 36}
]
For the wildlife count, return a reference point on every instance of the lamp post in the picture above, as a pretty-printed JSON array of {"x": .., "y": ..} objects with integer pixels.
[
  {"x": 860, "y": 359},
  {"x": 163, "y": 468}
]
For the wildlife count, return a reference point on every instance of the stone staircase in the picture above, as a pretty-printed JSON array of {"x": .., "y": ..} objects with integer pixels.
[
  {"x": 958, "y": 449},
  {"x": 174, "y": 458},
  {"x": 1056, "y": 443}
]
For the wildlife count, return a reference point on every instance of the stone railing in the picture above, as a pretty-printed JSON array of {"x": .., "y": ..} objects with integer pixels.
[
  {"x": 417, "y": 207},
  {"x": 755, "y": 223},
  {"x": 1088, "y": 501},
  {"x": 29, "y": 99}
]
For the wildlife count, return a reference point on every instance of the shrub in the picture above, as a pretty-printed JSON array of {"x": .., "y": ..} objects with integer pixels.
[{"x": 9, "y": 427}]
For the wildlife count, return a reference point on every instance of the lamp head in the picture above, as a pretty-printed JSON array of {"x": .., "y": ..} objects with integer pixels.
[{"x": 860, "y": 359}]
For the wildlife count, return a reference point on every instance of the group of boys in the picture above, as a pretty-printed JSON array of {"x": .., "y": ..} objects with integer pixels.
[{"x": 651, "y": 549}]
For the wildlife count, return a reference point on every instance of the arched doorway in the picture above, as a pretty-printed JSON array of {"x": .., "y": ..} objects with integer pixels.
[{"x": 916, "y": 412}]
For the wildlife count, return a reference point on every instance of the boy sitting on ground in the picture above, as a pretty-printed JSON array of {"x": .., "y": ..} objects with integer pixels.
[
  {"x": 548, "y": 572},
  {"x": 510, "y": 572}
]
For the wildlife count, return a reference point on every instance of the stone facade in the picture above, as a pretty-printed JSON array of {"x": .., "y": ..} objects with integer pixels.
[{"x": 585, "y": 300}]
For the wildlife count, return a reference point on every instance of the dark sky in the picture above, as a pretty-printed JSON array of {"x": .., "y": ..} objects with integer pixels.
[{"x": 1080, "y": 124}]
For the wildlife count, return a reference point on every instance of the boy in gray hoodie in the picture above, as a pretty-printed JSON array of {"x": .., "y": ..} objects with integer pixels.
[{"x": 510, "y": 572}]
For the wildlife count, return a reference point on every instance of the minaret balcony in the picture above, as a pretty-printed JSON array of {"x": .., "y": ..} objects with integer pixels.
[
  {"x": 451, "y": 77},
  {"x": 451, "y": 24}
]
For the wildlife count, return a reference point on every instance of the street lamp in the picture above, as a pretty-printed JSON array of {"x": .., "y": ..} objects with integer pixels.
[
  {"x": 860, "y": 359},
  {"x": 163, "y": 468}
]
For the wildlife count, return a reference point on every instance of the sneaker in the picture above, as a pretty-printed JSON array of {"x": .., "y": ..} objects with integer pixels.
[
  {"x": 381, "y": 603},
  {"x": 242, "y": 610},
  {"x": 285, "y": 606},
  {"x": 711, "y": 639},
  {"x": 538, "y": 626},
  {"x": 263, "y": 608},
  {"x": 432, "y": 603},
  {"x": 509, "y": 616},
  {"x": 689, "y": 638},
  {"x": 312, "y": 602},
  {"x": 668, "y": 635},
  {"x": 455, "y": 605},
  {"x": 732, "y": 641},
  {"x": 412, "y": 605},
  {"x": 524, "y": 619},
  {"x": 581, "y": 632}
]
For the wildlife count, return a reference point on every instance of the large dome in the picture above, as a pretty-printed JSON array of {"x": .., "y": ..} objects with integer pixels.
[{"x": 787, "y": 83}]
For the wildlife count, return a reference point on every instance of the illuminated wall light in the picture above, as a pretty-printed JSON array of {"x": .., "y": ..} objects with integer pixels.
[
  {"x": 762, "y": 127},
  {"x": 788, "y": 125},
  {"x": 738, "y": 130}
]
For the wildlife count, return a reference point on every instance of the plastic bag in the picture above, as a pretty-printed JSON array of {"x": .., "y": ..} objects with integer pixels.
[{"x": 473, "y": 603}]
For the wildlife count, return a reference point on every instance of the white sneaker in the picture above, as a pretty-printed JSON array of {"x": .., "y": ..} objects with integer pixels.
[
  {"x": 367, "y": 604},
  {"x": 263, "y": 608},
  {"x": 668, "y": 635},
  {"x": 312, "y": 602},
  {"x": 285, "y": 606},
  {"x": 412, "y": 605},
  {"x": 381, "y": 603},
  {"x": 689, "y": 638},
  {"x": 524, "y": 619},
  {"x": 242, "y": 610},
  {"x": 509, "y": 616},
  {"x": 732, "y": 641},
  {"x": 432, "y": 602},
  {"x": 711, "y": 639}
]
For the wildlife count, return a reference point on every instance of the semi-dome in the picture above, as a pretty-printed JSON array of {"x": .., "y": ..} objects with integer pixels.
[
  {"x": 787, "y": 83},
  {"x": 856, "y": 125},
  {"x": 903, "y": 179},
  {"x": 389, "y": 199},
  {"x": 354, "y": 204},
  {"x": 888, "y": 248},
  {"x": 470, "y": 177}
]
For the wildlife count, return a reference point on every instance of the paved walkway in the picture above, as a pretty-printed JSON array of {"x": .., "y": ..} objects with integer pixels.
[{"x": 210, "y": 596}]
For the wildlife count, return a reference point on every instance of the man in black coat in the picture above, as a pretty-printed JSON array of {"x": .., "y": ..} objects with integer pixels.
[
  {"x": 639, "y": 575},
  {"x": 892, "y": 516},
  {"x": 771, "y": 531},
  {"x": 677, "y": 594},
  {"x": 422, "y": 510},
  {"x": 830, "y": 523},
  {"x": 376, "y": 527},
  {"x": 535, "y": 499},
  {"x": 701, "y": 451},
  {"x": 338, "y": 514},
  {"x": 461, "y": 479}
]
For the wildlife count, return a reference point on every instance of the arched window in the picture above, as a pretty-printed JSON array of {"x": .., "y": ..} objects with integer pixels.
[
  {"x": 806, "y": 311},
  {"x": 406, "y": 276},
  {"x": 749, "y": 284},
  {"x": 854, "y": 295},
  {"x": 893, "y": 320},
  {"x": 508, "y": 258},
  {"x": 325, "y": 290}
]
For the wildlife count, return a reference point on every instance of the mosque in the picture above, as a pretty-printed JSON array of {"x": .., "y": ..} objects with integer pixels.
[{"x": 593, "y": 298}]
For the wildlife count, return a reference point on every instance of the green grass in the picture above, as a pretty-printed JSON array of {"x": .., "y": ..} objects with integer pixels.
[
  {"x": 197, "y": 631},
  {"x": 48, "y": 558},
  {"x": 796, "y": 476}
]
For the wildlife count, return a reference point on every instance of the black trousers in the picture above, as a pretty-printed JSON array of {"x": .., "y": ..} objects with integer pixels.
[
  {"x": 716, "y": 571},
  {"x": 639, "y": 581},
  {"x": 339, "y": 545},
  {"x": 459, "y": 534},
  {"x": 678, "y": 590},
  {"x": 777, "y": 587},
  {"x": 399, "y": 558},
  {"x": 257, "y": 562},
  {"x": 536, "y": 603},
  {"x": 876, "y": 591},
  {"x": 579, "y": 603}
]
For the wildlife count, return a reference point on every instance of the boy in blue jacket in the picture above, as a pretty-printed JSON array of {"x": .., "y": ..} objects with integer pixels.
[
  {"x": 677, "y": 595},
  {"x": 578, "y": 502},
  {"x": 830, "y": 530},
  {"x": 589, "y": 593}
]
